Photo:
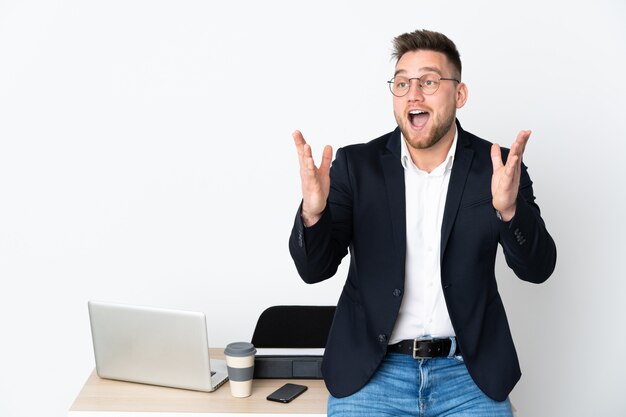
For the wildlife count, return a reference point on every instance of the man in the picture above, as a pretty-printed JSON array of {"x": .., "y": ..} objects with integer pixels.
[{"x": 420, "y": 327}]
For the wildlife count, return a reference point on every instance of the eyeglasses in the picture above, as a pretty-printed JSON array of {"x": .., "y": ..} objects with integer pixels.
[{"x": 428, "y": 83}]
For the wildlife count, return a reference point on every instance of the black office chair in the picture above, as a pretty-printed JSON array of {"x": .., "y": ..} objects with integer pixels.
[{"x": 293, "y": 327}]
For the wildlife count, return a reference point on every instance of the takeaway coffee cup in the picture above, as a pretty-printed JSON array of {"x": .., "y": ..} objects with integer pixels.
[{"x": 240, "y": 364}]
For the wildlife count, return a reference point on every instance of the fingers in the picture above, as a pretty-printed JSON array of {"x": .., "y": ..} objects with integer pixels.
[
  {"x": 305, "y": 154},
  {"x": 514, "y": 160},
  {"x": 307, "y": 158},
  {"x": 525, "y": 135},
  {"x": 298, "y": 138},
  {"x": 519, "y": 145},
  {"x": 308, "y": 170},
  {"x": 496, "y": 157},
  {"x": 506, "y": 179},
  {"x": 496, "y": 160},
  {"x": 299, "y": 141},
  {"x": 327, "y": 157},
  {"x": 315, "y": 181},
  {"x": 512, "y": 165}
]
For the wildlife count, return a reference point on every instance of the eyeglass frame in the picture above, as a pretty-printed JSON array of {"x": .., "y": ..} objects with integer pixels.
[{"x": 419, "y": 84}]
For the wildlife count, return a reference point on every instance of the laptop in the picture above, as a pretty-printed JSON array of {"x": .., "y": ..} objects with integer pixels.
[{"x": 154, "y": 346}]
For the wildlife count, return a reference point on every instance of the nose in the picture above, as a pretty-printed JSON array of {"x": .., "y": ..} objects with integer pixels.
[{"x": 415, "y": 91}]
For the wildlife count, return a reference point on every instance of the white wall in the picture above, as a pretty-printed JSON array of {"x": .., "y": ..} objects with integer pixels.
[{"x": 146, "y": 157}]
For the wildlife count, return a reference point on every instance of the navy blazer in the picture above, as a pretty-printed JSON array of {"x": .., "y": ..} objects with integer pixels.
[{"x": 366, "y": 214}]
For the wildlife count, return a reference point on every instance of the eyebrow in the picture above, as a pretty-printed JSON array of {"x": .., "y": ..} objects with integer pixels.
[{"x": 426, "y": 69}]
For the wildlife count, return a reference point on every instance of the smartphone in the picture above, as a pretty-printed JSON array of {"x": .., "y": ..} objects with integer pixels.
[{"x": 287, "y": 392}]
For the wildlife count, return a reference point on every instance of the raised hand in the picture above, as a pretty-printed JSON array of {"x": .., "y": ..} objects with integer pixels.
[
  {"x": 506, "y": 178},
  {"x": 315, "y": 181}
]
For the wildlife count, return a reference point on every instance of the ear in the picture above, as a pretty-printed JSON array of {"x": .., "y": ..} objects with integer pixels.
[{"x": 461, "y": 95}]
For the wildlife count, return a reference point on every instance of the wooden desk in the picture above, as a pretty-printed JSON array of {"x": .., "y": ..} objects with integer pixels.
[{"x": 103, "y": 398}]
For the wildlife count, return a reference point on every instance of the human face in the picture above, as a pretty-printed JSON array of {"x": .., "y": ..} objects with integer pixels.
[{"x": 426, "y": 119}]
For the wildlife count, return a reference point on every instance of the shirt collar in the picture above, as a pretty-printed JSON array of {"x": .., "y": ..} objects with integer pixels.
[{"x": 407, "y": 162}]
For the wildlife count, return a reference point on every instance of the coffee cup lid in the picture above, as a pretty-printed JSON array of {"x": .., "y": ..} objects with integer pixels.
[{"x": 240, "y": 349}]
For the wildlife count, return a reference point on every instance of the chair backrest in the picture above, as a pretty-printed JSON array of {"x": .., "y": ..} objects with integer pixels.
[{"x": 293, "y": 327}]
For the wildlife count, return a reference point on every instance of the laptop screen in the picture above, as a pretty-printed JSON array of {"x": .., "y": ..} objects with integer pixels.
[{"x": 152, "y": 346}]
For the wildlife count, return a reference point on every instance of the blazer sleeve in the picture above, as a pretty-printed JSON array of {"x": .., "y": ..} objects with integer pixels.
[
  {"x": 317, "y": 251},
  {"x": 529, "y": 250}
]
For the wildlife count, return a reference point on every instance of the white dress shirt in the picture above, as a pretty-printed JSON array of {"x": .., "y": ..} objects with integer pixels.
[{"x": 423, "y": 311}]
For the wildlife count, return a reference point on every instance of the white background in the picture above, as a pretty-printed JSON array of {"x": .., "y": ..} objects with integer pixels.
[{"x": 146, "y": 157}]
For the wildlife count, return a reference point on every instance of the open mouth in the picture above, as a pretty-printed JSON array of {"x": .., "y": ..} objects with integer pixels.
[{"x": 418, "y": 118}]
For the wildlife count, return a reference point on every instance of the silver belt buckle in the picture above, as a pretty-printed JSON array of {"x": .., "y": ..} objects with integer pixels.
[{"x": 430, "y": 339}]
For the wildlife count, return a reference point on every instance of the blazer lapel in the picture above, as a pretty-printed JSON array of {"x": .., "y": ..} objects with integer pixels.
[
  {"x": 394, "y": 181},
  {"x": 458, "y": 177}
]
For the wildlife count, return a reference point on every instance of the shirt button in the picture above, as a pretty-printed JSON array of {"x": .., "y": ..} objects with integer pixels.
[
  {"x": 397, "y": 292},
  {"x": 382, "y": 338}
]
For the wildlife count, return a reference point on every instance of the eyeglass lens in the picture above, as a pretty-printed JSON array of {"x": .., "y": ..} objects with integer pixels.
[{"x": 428, "y": 83}]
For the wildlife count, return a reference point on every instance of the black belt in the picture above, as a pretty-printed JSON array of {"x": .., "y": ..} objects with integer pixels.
[{"x": 424, "y": 348}]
